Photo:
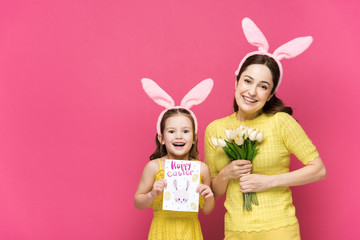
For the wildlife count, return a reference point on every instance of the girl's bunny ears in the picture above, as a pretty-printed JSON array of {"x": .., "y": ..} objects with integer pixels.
[
  {"x": 288, "y": 50},
  {"x": 194, "y": 97}
]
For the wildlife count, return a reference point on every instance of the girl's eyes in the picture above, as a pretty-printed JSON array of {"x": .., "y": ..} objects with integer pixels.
[{"x": 173, "y": 131}]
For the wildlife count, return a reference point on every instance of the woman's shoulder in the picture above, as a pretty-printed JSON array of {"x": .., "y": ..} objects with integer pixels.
[
  {"x": 282, "y": 117},
  {"x": 220, "y": 122}
]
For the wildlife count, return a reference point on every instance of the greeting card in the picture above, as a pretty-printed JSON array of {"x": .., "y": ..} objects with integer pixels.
[{"x": 183, "y": 177}]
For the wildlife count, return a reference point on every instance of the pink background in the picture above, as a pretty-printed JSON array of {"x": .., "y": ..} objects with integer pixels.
[{"x": 76, "y": 128}]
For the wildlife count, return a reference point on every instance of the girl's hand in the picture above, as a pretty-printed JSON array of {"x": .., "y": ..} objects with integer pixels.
[
  {"x": 255, "y": 183},
  {"x": 205, "y": 191},
  {"x": 237, "y": 169},
  {"x": 158, "y": 188}
]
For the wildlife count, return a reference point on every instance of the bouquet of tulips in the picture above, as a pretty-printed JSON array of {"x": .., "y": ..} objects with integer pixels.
[{"x": 241, "y": 143}]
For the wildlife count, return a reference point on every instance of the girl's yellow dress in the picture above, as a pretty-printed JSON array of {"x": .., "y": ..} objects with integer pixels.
[{"x": 172, "y": 224}]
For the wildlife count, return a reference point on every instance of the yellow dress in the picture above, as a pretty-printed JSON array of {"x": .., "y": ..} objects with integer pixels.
[
  {"x": 173, "y": 225},
  {"x": 283, "y": 137}
]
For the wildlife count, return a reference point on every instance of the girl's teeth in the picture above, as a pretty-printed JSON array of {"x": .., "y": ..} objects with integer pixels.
[{"x": 179, "y": 144}]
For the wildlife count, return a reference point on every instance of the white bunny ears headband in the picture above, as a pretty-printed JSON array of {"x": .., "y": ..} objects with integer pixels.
[
  {"x": 288, "y": 50},
  {"x": 194, "y": 97}
]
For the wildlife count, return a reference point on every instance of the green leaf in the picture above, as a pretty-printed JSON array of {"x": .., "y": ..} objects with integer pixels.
[
  {"x": 229, "y": 153},
  {"x": 240, "y": 151},
  {"x": 255, "y": 199},
  {"x": 243, "y": 197},
  {"x": 233, "y": 149},
  {"x": 254, "y": 154}
]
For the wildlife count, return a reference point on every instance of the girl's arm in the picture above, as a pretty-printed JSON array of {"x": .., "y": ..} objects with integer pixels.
[
  {"x": 147, "y": 190},
  {"x": 204, "y": 190},
  {"x": 234, "y": 170},
  {"x": 313, "y": 171}
]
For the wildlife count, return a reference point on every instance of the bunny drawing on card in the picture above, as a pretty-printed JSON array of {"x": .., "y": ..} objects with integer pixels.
[
  {"x": 176, "y": 138},
  {"x": 181, "y": 195}
]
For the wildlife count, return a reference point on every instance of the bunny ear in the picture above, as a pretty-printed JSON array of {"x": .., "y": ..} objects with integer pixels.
[
  {"x": 187, "y": 184},
  {"x": 175, "y": 184},
  {"x": 293, "y": 48},
  {"x": 198, "y": 94},
  {"x": 156, "y": 93},
  {"x": 254, "y": 35}
]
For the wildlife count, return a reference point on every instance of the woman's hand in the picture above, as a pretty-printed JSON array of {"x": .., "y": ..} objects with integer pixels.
[
  {"x": 255, "y": 183},
  {"x": 205, "y": 191},
  {"x": 237, "y": 169},
  {"x": 158, "y": 188}
]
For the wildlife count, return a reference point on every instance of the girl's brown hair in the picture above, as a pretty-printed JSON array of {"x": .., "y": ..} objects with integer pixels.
[
  {"x": 161, "y": 149},
  {"x": 275, "y": 104}
]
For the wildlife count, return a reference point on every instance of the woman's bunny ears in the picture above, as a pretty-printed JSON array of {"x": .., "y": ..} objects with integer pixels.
[
  {"x": 288, "y": 50},
  {"x": 194, "y": 97}
]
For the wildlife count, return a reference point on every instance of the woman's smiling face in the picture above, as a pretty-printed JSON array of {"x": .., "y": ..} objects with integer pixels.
[{"x": 253, "y": 90}]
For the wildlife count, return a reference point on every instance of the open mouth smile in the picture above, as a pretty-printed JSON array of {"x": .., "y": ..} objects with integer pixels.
[
  {"x": 247, "y": 99},
  {"x": 179, "y": 144}
]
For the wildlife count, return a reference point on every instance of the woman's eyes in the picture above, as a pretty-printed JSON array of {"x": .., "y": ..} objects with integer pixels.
[
  {"x": 186, "y": 131},
  {"x": 171, "y": 131},
  {"x": 247, "y": 81},
  {"x": 264, "y": 87}
]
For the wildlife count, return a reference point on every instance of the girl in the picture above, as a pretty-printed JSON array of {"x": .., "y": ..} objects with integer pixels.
[
  {"x": 176, "y": 139},
  {"x": 255, "y": 105}
]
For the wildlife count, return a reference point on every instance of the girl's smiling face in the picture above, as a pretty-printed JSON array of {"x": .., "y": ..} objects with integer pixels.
[
  {"x": 178, "y": 137},
  {"x": 253, "y": 90}
]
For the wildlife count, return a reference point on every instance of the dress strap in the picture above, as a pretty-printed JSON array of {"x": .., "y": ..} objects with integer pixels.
[{"x": 159, "y": 164}]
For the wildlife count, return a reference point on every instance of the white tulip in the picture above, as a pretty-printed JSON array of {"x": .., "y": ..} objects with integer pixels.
[
  {"x": 250, "y": 130},
  {"x": 238, "y": 132},
  {"x": 228, "y": 134},
  {"x": 221, "y": 142},
  {"x": 253, "y": 134},
  {"x": 245, "y": 133},
  {"x": 239, "y": 141},
  {"x": 214, "y": 142},
  {"x": 233, "y": 133},
  {"x": 260, "y": 137}
]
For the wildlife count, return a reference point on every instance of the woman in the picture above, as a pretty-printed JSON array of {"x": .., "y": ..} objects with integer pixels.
[{"x": 255, "y": 105}]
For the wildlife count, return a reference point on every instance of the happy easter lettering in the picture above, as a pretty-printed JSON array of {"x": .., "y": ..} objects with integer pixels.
[{"x": 180, "y": 169}]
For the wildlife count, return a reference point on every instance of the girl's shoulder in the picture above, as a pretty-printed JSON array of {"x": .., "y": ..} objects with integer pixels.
[
  {"x": 153, "y": 166},
  {"x": 204, "y": 169}
]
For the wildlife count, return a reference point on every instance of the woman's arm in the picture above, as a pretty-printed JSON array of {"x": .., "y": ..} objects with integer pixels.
[
  {"x": 314, "y": 171},
  {"x": 205, "y": 190},
  {"x": 147, "y": 190},
  {"x": 234, "y": 170}
]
